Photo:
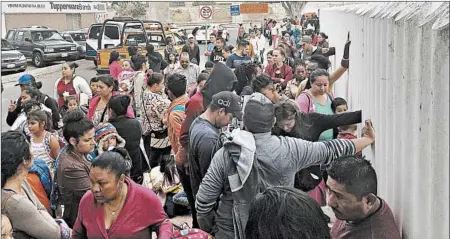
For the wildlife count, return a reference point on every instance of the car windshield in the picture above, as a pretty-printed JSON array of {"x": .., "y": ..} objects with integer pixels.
[
  {"x": 78, "y": 36},
  {"x": 46, "y": 36},
  {"x": 6, "y": 45}
]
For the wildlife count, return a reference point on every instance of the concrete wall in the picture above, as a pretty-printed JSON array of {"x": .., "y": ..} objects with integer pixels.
[
  {"x": 56, "y": 21},
  {"x": 221, "y": 13},
  {"x": 399, "y": 77}
]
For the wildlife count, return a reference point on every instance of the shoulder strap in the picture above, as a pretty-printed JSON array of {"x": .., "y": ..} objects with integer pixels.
[
  {"x": 179, "y": 108},
  {"x": 9, "y": 195},
  {"x": 47, "y": 140}
]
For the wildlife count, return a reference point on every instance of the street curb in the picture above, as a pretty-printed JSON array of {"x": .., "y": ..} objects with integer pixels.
[{"x": 36, "y": 72}]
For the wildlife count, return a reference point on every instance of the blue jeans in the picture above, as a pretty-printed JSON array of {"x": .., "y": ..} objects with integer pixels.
[{"x": 181, "y": 199}]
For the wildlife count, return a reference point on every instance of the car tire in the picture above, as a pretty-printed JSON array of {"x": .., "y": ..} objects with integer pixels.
[
  {"x": 199, "y": 42},
  {"x": 38, "y": 60},
  {"x": 95, "y": 63},
  {"x": 22, "y": 70}
]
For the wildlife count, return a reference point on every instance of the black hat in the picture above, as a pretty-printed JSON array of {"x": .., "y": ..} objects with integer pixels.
[{"x": 230, "y": 102}]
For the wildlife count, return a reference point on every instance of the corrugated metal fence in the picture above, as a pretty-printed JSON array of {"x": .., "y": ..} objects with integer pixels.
[{"x": 399, "y": 77}]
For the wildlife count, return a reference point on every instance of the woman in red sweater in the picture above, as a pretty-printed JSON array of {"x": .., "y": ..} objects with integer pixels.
[
  {"x": 280, "y": 72},
  {"x": 114, "y": 65},
  {"x": 117, "y": 207}
]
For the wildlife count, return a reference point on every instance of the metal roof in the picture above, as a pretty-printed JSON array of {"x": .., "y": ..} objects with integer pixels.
[{"x": 435, "y": 12}]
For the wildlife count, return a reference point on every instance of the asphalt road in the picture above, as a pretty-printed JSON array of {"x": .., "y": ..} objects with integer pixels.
[{"x": 86, "y": 70}]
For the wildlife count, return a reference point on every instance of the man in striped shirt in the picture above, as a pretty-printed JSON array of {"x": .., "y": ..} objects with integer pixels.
[{"x": 262, "y": 161}]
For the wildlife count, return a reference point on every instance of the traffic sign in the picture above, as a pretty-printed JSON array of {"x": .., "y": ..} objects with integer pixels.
[
  {"x": 235, "y": 10},
  {"x": 206, "y": 12}
]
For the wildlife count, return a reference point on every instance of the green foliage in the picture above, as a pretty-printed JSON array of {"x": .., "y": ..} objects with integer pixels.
[
  {"x": 293, "y": 9},
  {"x": 136, "y": 10}
]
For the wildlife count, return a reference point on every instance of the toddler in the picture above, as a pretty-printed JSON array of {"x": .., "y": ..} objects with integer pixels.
[{"x": 107, "y": 138}]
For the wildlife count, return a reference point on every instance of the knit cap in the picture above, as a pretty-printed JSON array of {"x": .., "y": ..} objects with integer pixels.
[
  {"x": 103, "y": 132},
  {"x": 259, "y": 114}
]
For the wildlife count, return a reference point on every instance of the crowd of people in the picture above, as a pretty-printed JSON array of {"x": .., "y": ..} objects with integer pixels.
[{"x": 251, "y": 147}]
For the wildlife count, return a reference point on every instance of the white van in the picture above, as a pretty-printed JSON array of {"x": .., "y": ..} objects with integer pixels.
[{"x": 110, "y": 38}]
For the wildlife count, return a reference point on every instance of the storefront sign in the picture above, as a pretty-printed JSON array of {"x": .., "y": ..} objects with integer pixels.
[
  {"x": 53, "y": 7},
  {"x": 254, "y": 8}
]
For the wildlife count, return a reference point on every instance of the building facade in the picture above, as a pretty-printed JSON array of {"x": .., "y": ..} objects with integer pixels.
[{"x": 62, "y": 16}]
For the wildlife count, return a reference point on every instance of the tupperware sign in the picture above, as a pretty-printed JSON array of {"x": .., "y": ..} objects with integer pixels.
[{"x": 53, "y": 7}]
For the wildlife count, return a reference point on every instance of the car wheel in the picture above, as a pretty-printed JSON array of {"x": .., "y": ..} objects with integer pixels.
[
  {"x": 22, "y": 70},
  {"x": 38, "y": 60},
  {"x": 95, "y": 63}
]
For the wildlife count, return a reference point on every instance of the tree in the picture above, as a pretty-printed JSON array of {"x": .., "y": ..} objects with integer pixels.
[
  {"x": 293, "y": 9},
  {"x": 136, "y": 10}
]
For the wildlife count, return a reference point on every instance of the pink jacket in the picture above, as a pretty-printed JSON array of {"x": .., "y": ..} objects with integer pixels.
[
  {"x": 94, "y": 102},
  {"x": 114, "y": 69},
  {"x": 305, "y": 101}
]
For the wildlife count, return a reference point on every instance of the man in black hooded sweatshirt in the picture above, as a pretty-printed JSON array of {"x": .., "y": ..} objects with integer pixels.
[
  {"x": 222, "y": 78},
  {"x": 155, "y": 59}
]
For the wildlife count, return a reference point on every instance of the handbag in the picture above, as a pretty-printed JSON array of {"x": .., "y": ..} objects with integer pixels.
[{"x": 185, "y": 232}]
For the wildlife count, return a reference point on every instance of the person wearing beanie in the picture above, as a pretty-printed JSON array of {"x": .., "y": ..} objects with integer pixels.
[
  {"x": 263, "y": 161},
  {"x": 107, "y": 138}
]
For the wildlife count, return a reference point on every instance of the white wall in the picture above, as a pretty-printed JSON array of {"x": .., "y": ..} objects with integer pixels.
[{"x": 399, "y": 77}]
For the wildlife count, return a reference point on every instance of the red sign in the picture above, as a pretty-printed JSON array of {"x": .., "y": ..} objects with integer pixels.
[{"x": 206, "y": 12}]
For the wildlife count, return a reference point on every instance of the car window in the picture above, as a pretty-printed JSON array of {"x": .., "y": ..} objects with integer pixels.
[
  {"x": 19, "y": 36},
  {"x": 78, "y": 36},
  {"x": 134, "y": 40},
  {"x": 156, "y": 38},
  {"x": 177, "y": 38},
  {"x": 94, "y": 32},
  {"x": 6, "y": 44},
  {"x": 10, "y": 35},
  {"x": 46, "y": 36},
  {"x": 112, "y": 33}
]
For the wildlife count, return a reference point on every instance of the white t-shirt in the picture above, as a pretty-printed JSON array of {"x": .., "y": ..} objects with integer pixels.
[{"x": 275, "y": 29}]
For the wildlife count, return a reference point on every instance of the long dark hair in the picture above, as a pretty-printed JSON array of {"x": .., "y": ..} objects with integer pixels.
[{"x": 167, "y": 167}]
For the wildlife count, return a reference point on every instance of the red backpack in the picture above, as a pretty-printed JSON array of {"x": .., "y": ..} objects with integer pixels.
[{"x": 184, "y": 232}]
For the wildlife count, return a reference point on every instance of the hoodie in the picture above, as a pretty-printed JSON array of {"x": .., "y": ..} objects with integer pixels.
[
  {"x": 222, "y": 78},
  {"x": 264, "y": 161},
  {"x": 297, "y": 38}
]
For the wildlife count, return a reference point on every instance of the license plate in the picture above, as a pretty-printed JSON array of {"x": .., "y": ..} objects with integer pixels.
[
  {"x": 64, "y": 54},
  {"x": 10, "y": 66}
]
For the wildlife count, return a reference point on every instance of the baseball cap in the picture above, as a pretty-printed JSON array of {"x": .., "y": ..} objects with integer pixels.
[
  {"x": 229, "y": 101},
  {"x": 307, "y": 39},
  {"x": 259, "y": 114},
  {"x": 25, "y": 80},
  {"x": 190, "y": 36}
]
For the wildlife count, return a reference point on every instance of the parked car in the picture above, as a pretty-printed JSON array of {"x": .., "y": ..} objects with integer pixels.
[
  {"x": 201, "y": 35},
  {"x": 12, "y": 59},
  {"x": 79, "y": 39},
  {"x": 42, "y": 45}
]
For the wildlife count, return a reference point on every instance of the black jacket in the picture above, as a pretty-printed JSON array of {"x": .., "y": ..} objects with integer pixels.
[
  {"x": 222, "y": 78},
  {"x": 44, "y": 99},
  {"x": 130, "y": 130},
  {"x": 309, "y": 126},
  {"x": 156, "y": 62}
]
